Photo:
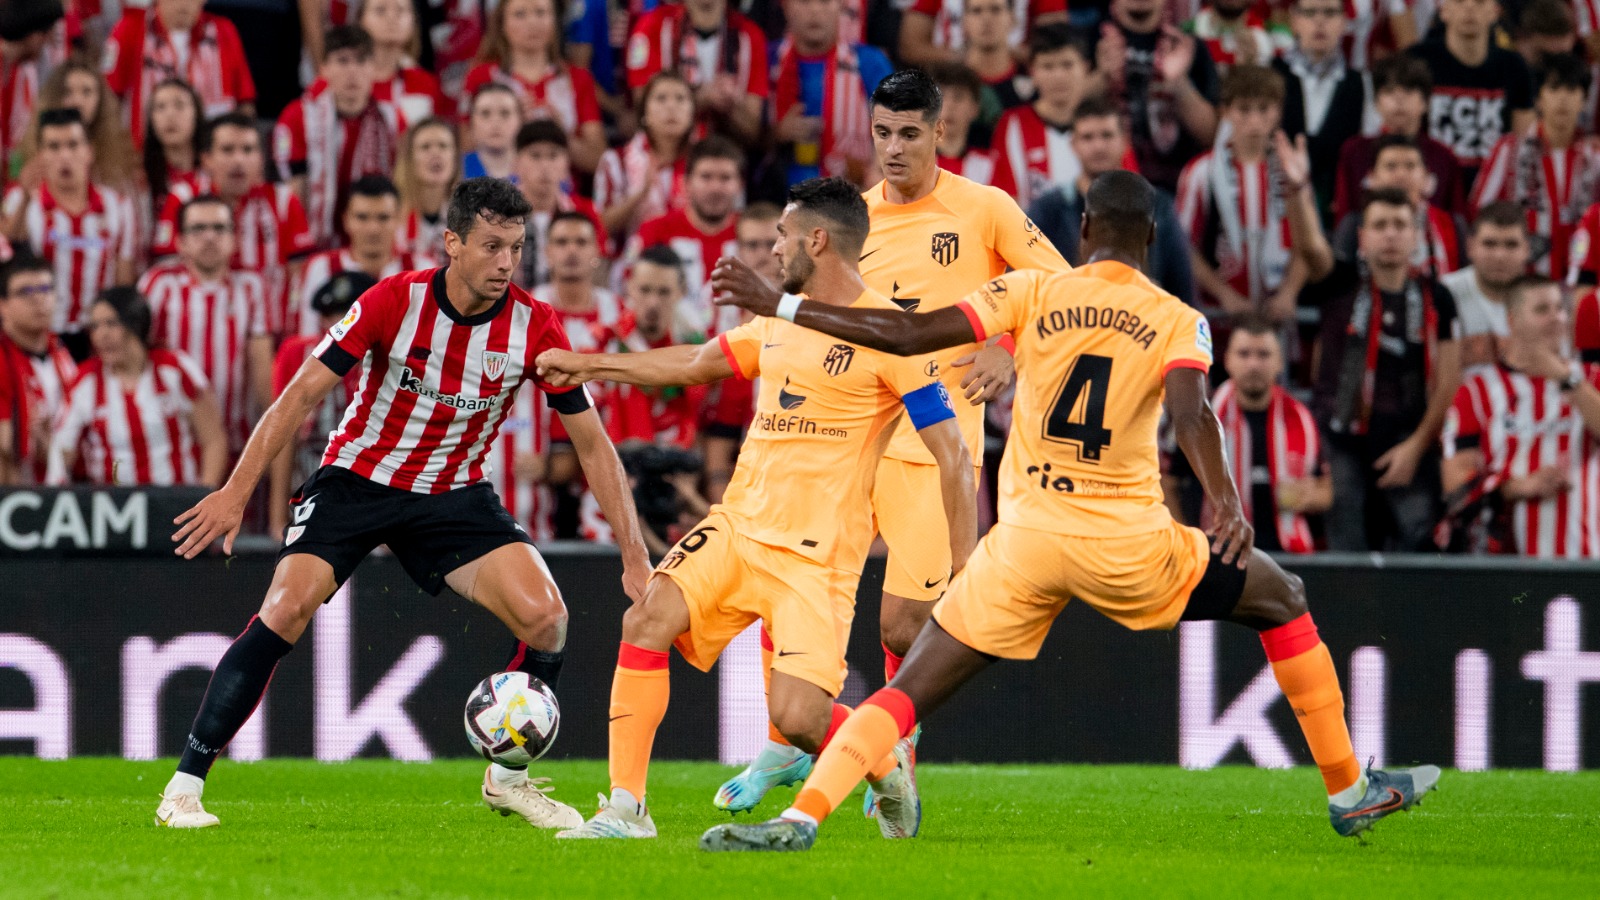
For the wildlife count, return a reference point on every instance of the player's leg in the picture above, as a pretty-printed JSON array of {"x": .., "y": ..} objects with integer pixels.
[
  {"x": 300, "y": 584},
  {"x": 778, "y": 764},
  {"x": 513, "y": 583},
  {"x": 1272, "y": 602}
]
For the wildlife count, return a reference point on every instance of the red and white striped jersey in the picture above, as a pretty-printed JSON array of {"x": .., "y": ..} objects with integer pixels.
[
  {"x": 1033, "y": 156},
  {"x": 19, "y": 88},
  {"x": 420, "y": 237},
  {"x": 33, "y": 395},
  {"x": 974, "y": 165},
  {"x": 269, "y": 229},
  {"x": 210, "y": 322},
  {"x": 312, "y": 140},
  {"x": 534, "y": 267},
  {"x": 587, "y": 332},
  {"x": 1255, "y": 265},
  {"x": 698, "y": 251},
  {"x": 1556, "y": 187},
  {"x": 663, "y": 40},
  {"x": 415, "y": 92},
  {"x": 436, "y": 385},
  {"x": 622, "y": 173},
  {"x": 1523, "y": 423},
  {"x": 83, "y": 249},
  {"x": 1367, "y": 30},
  {"x": 1252, "y": 44},
  {"x": 321, "y": 268},
  {"x": 141, "y": 436},
  {"x": 947, "y": 19},
  {"x": 210, "y": 58},
  {"x": 567, "y": 95},
  {"x": 524, "y": 432}
]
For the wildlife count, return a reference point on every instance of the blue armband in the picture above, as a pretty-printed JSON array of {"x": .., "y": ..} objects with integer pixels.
[{"x": 929, "y": 405}]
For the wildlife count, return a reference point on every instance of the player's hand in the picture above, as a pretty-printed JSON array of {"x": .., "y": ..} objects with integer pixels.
[
  {"x": 634, "y": 577},
  {"x": 992, "y": 371},
  {"x": 560, "y": 368},
  {"x": 735, "y": 284},
  {"x": 1542, "y": 484},
  {"x": 218, "y": 514},
  {"x": 1399, "y": 465},
  {"x": 1232, "y": 537},
  {"x": 1177, "y": 56}
]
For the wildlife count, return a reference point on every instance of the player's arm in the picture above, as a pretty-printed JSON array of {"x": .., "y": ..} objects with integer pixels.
[
  {"x": 956, "y": 486},
  {"x": 603, "y": 469},
  {"x": 1200, "y": 437},
  {"x": 1305, "y": 225},
  {"x": 683, "y": 364},
  {"x": 1459, "y": 468},
  {"x": 219, "y": 514}
]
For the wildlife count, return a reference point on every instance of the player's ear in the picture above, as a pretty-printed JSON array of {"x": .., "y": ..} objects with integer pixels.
[
  {"x": 452, "y": 244},
  {"x": 1083, "y": 230},
  {"x": 1150, "y": 239}
]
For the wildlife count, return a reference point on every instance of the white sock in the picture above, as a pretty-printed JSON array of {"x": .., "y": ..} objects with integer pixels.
[
  {"x": 773, "y": 748},
  {"x": 1351, "y": 795},
  {"x": 184, "y": 783},
  {"x": 503, "y": 778},
  {"x": 626, "y": 801},
  {"x": 795, "y": 815}
]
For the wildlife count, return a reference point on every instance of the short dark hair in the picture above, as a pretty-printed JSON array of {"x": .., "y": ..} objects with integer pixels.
[
  {"x": 665, "y": 257},
  {"x": 132, "y": 310},
  {"x": 1548, "y": 18},
  {"x": 60, "y": 117},
  {"x": 1097, "y": 106},
  {"x": 347, "y": 37},
  {"x": 498, "y": 201},
  {"x": 23, "y": 263},
  {"x": 714, "y": 147},
  {"x": 1253, "y": 323},
  {"x": 491, "y": 87},
  {"x": 19, "y": 20},
  {"x": 949, "y": 75},
  {"x": 1391, "y": 141},
  {"x": 1382, "y": 197},
  {"x": 201, "y": 200},
  {"x": 1563, "y": 70},
  {"x": 761, "y": 211},
  {"x": 1058, "y": 36},
  {"x": 1121, "y": 202},
  {"x": 909, "y": 90},
  {"x": 1522, "y": 284},
  {"x": 1501, "y": 214},
  {"x": 840, "y": 203},
  {"x": 374, "y": 185},
  {"x": 1250, "y": 82},
  {"x": 541, "y": 131},
  {"x": 1401, "y": 72},
  {"x": 235, "y": 119},
  {"x": 572, "y": 215}
]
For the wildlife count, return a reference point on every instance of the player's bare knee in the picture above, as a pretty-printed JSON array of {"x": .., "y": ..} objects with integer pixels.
[
  {"x": 651, "y": 623},
  {"x": 1294, "y": 597},
  {"x": 900, "y": 634},
  {"x": 539, "y": 620},
  {"x": 801, "y": 724}
]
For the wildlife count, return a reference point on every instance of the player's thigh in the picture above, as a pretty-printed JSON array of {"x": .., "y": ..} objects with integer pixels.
[
  {"x": 301, "y": 582},
  {"x": 436, "y": 534},
  {"x": 808, "y": 610},
  {"x": 908, "y": 504},
  {"x": 1141, "y": 581},
  {"x": 799, "y": 707},
  {"x": 1263, "y": 595},
  {"x": 513, "y": 582},
  {"x": 995, "y": 605},
  {"x": 708, "y": 570}
]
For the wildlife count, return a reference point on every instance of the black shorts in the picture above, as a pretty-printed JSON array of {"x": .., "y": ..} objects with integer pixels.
[{"x": 340, "y": 517}]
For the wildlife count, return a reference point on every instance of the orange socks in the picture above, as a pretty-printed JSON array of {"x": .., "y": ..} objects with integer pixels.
[
  {"x": 868, "y": 735},
  {"x": 891, "y": 663},
  {"x": 638, "y": 702},
  {"x": 773, "y": 734},
  {"x": 1305, "y": 673}
]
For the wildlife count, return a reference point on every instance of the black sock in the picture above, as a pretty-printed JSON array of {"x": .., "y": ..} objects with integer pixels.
[
  {"x": 541, "y": 664},
  {"x": 235, "y": 690}
]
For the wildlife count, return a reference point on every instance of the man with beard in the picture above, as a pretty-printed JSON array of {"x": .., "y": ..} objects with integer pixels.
[{"x": 1498, "y": 250}]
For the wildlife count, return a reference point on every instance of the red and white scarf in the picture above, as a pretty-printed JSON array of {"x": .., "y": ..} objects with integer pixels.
[
  {"x": 846, "y": 144},
  {"x": 1293, "y": 450},
  {"x": 1252, "y": 215},
  {"x": 1354, "y": 405},
  {"x": 374, "y": 151}
]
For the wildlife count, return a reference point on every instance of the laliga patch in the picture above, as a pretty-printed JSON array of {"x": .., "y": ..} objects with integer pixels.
[
  {"x": 1579, "y": 248},
  {"x": 343, "y": 326},
  {"x": 293, "y": 534},
  {"x": 1202, "y": 336},
  {"x": 638, "y": 51},
  {"x": 163, "y": 233}
]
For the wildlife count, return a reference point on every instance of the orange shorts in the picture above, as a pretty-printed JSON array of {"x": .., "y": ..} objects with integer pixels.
[
  {"x": 1018, "y": 580},
  {"x": 908, "y": 506},
  {"x": 730, "y": 581}
]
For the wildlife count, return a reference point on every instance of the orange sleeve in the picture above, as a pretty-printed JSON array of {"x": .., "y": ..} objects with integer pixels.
[
  {"x": 1016, "y": 239},
  {"x": 1189, "y": 347},
  {"x": 742, "y": 347},
  {"x": 1001, "y": 305}
]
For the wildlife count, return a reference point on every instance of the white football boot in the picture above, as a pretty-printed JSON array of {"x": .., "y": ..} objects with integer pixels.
[
  {"x": 184, "y": 811},
  {"x": 898, "y": 805},
  {"x": 529, "y": 799},
  {"x": 614, "y": 820}
]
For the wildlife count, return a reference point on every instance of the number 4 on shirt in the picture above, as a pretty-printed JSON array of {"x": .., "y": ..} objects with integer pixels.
[{"x": 1078, "y": 415}]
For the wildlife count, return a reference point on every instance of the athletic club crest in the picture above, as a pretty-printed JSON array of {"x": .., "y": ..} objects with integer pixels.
[
  {"x": 494, "y": 365},
  {"x": 946, "y": 247}
]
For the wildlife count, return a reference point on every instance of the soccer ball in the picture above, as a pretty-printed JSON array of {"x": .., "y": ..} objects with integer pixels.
[{"x": 512, "y": 718}]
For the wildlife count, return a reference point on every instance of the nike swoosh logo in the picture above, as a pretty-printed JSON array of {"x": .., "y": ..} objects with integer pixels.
[
  {"x": 623, "y": 716},
  {"x": 770, "y": 346},
  {"x": 867, "y": 254},
  {"x": 929, "y": 584},
  {"x": 1395, "y": 801},
  {"x": 791, "y": 653}
]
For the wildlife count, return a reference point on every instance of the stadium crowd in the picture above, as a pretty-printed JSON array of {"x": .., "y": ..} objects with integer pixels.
[{"x": 190, "y": 203}]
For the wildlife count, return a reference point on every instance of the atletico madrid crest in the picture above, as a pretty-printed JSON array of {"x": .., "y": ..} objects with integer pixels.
[
  {"x": 494, "y": 365},
  {"x": 946, "y": 247}
]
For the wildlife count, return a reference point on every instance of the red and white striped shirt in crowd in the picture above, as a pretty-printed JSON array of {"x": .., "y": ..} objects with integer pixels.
[
  {"x": 320, "y": 270},
  {"x": 83, "y": 249},
  {"x": 947, "y": 19},
  {"x": 415, "y": 92},
  {"x": 420, "y": 236},
  {"x": 19, "y": 89},
  {"x": 523, "y": 434},
  {"x": 1583, "y": 249},
  {"x": 698, "y": 251},
  {"x": 1253, "y": 44},
  {"x": 33, "y": 396},
  {"x": 663, "y": 40},
  {"x": 312, "y": 140},
  {"x": 974, "y": 165},
  {"x": 589, "y": 331},
  {"x": 622, "y": 173},
  {"x": 133, "y": 436},
  {"x": 1032, "y": 156},
  {"x": 567, "y": 94},
  {"x": 436, "y": 385},
  {"x": 1556, "y": 187},
  {"x": 1367, "y": 30},
  {"x": 1245, "y": 235},
  {"x": 1439, "y": 251},
  {"x": 667, "y": 416},
  {"x": 142, "y": 53},
  {"x": 270, "y": 231},
  {"x": 210, "y": 322},
  {"x": 1522, "y": 423},
  {"x": 534, "y": 268}
]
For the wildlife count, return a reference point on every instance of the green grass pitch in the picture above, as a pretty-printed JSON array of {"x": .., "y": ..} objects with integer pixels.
[{"x": 300, "y": 829}]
